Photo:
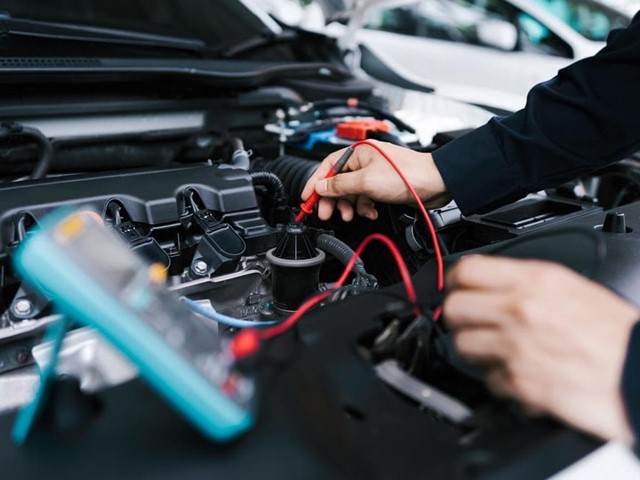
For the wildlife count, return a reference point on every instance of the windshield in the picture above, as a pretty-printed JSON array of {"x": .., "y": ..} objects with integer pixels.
[
  {"x": 216, "y": 22},
  {"x": 589, "y": 19}
]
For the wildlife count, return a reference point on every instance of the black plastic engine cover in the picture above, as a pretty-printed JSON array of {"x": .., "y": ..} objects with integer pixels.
[
  {"x": 325, "y": 414},
  {"x": 149, "y": 196}
]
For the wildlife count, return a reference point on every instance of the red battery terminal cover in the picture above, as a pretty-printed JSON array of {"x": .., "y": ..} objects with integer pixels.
[{"x": 357, "y": 129}]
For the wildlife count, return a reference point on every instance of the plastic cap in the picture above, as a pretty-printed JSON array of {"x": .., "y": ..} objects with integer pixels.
[
  {"x": 157, "y": 273},
  {"x": 295, "y": 244},
  {"x": 358, "y": 129},
  {"x": 245, "y": 344},
  {"x": 615, "y": 222},
  {"x": 307, "y": 207}
]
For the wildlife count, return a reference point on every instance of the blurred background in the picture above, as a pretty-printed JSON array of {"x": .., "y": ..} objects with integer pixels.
[{"x": 484, "y": 52}]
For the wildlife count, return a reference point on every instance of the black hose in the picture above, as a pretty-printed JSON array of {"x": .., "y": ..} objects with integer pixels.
[
  {"x": 294, "y": 173},
  {"x": 272, "y": 183},
  {"x": 341, "y": 251},
  {"x": 15, "y": 130}
]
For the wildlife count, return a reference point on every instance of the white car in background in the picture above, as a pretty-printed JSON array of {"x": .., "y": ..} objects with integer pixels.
[
  {"x": 486, "y": 52},
  {"x": 411, "y": 101}
]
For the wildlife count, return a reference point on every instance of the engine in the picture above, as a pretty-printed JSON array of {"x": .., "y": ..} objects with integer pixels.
[
  {"x": 219, "y": 220},
  {"x": 215, "y": 208},
  {"x": 221, "y": 229}
]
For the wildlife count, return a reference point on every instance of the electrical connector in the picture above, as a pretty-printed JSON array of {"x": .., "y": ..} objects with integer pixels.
[{"x": 245, "y": 344}]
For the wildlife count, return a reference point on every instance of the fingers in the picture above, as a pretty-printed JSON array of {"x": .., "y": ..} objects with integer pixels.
[
  {"x": 339, "y": 185},
  {"x": 345, "y": 208},
  {"x": 350, "y": 183},
  {"x": 481, "y": 345},
  {"x": 367, "y": 174},
  {"x": 320, "y": 173},
  {"x": 474, "y": 308},
  {"x": 485, "y": 272},
  {"x": 503, "y": 382},
  {"x": 499, "y": 382},
  {"x": 366, "y": 208},
  {"x": 325, "y": 208},
  {"x": 476, "y": 319}
]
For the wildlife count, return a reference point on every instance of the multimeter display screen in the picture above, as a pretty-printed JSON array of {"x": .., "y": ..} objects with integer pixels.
[
  {"x": 125, "y": 278},
  {"x": 105, "y": 254}
]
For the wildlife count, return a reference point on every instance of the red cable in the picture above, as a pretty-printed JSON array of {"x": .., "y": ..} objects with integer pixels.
[
  {"x": 397, "y": 256},
  {"x": 300, "y": 217},
  {"x": 307, "y": 207},
  {"x": 423, "y": 210},
  {"x": 404, "y": 271},
  {"x": 313, "y": 301},
  {"x": 416, "y": 197},
  {"x": 293, "y": 319}
]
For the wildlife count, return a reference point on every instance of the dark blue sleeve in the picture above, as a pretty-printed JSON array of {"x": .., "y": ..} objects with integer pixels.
[
  {"x": 586, "y": 117},
  {"x": 631, "y": 381}
]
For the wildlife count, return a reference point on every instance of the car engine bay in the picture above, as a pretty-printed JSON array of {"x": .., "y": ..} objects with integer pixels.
[{"x": 207, "y": 185}]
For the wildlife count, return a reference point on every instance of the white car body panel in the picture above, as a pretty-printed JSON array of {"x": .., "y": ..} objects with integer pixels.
[
  {"x": 499, "y": 79},
  {"x": 477, "y": 74}
]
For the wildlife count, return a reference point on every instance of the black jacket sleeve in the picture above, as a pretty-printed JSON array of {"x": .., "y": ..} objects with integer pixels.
[
  {"x": 586, "y": 117},
  {"x": 631, "y": 381}
]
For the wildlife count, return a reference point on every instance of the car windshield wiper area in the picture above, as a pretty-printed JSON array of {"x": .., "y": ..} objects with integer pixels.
[
  {"x": 256, "y": 42},
  {"x": 15, "y": 30}
]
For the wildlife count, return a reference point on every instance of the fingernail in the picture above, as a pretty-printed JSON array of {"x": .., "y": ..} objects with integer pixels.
[{"x": 321, "y": 186}]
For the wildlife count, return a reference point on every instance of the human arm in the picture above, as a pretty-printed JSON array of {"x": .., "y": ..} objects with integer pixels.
[
  {"x": 559, "y": 348},
  {"x": 579, "y": 121},
  {"x": 631, "y": 380},
  {"x": 584, "y": 118},
  {"x": 368, "y": 177}
]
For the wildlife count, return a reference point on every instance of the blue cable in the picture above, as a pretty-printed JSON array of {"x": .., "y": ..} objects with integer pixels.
[{"x": 211, "y": 314}]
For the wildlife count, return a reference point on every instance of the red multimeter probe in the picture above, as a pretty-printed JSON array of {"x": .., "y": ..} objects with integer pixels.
[{"x": 307, "y": 207}]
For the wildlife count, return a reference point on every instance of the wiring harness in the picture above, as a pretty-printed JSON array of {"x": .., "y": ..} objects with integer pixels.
[{"x": 247, "y": 342}]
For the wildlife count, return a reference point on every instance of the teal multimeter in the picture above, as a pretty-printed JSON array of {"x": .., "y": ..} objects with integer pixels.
[{"x": 95, "y": 279}]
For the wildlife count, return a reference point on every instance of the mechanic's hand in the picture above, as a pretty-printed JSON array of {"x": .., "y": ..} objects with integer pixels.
[
  {"x": 368, "y": 177},
  {"x": 548, "y": 337}
]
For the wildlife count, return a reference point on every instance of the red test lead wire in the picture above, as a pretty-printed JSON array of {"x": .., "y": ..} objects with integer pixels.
[
  {"x": 307, "y": 207},
  {"x": 247, "y": 342},
  {"x": 250, "y": 344},
  {"x": 313, "y": 301},
  {"x": 432, "y": 231}
]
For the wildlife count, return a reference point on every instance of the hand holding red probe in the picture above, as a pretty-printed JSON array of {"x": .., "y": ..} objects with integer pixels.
[
  {"x": 368, "y": 177},
  {"x": 307, "y": 207},
  {"x": 389, "y": 175}
]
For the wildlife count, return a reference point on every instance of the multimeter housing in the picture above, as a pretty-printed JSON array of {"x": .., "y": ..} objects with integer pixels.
[{"x": 94, "y": 278}]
